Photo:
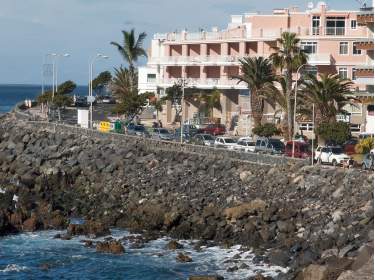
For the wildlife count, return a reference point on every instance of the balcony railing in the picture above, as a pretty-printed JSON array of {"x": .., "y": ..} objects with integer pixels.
[
  {"x": 207, "y": 83},
  {"x": 198, "y": 60},
  {"x": 335, "y": 31},
  {"x": 320, "y": 59}
]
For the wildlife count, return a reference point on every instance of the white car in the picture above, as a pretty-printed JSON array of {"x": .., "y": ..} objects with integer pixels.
[
  {"x": 246, "y": 144},
  {"x": 225, "y": 142},
  {"x": 331, "y": 155}
]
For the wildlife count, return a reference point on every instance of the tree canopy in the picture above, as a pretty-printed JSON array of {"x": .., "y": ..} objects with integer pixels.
[
  {"x": 131, "y": 49},
  {"x": 101, "y": 81}
]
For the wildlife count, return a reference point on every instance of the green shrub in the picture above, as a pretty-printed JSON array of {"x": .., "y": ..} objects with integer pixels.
[
  {"x": 266, "y": 130},
  {"x": 337, "y": 132}
]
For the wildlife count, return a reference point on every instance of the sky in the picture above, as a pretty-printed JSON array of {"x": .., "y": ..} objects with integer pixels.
[{"x": 29, "y": 29}]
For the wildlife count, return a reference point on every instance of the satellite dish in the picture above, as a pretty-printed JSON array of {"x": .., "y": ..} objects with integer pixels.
[{"x": 310, "y": 5}]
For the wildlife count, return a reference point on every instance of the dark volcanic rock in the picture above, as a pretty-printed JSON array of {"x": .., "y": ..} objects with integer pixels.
[{"x": 300, "y": 215}]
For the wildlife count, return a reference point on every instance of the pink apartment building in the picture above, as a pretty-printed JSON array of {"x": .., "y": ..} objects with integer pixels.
[{"x": 337, "y": 42}]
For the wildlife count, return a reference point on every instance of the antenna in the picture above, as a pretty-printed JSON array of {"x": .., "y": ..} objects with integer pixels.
[{"x": 362, "y": 3}]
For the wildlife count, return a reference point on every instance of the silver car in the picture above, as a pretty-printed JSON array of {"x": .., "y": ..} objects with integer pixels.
[{"x": 162, "y": 134}]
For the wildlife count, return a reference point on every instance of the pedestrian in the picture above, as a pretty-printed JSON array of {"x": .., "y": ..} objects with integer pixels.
[{"x": 160, "y": 124}]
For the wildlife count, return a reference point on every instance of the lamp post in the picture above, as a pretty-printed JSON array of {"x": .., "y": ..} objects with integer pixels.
[
  {"x": 312, "y": 141},
  {"x": 98, "y": 56},
  {"x": 295, "y": 108},
  {"x": 183, "y": 110}
]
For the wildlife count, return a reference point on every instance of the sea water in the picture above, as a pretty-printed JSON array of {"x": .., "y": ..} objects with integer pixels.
[
  {"x": 40, "y": 256},
  {"x": 10, "y": 95}
]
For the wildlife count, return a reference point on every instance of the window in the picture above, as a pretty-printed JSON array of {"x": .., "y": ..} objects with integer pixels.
[
  {"x": 315, "y": 25},
  {"x": 355, "y": 127},
  {"x": 353, "y": 109},
  {"x": 311, "y": 70},
  {"x": 353, "y": 24},
  {"x": 354, "y": 77},
  {"x": 335, "y": 26},
  {"x": 343, "y": 73},
  {"x": 355, "y": 50},
  {"x": 309, "y": 47},
  {"x": 151, "y": 78},
  {"x": 344, "y": 48},
  {"x": 306, "y": 126}
]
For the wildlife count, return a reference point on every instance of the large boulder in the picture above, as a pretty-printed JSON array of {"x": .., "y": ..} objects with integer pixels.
[
  {"x": 206, "y": 277},
  {"x": 90, "y": 228},
  {"x": 112, "y": 247},
  {"x": 238, "y": 212}
]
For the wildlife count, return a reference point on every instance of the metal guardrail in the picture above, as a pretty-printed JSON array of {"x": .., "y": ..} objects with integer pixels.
[{"x": 262, "y": 159}]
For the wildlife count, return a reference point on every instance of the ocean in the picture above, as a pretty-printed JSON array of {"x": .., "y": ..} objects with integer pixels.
[
  {"x": 10, "y": 95},
  {"x": 40, "y": 256}
]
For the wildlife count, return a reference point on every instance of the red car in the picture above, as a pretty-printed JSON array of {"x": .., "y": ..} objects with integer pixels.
[
  {"x": 213, "y": 129},
  {"x": 301, "y": 149},
  {"x": 349, "y": 146}
]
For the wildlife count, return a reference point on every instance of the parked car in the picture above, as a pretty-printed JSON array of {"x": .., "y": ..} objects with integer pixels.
[
  {"x": 301, "y": 149},
  {"x": 81, "y": 101},
  {"x": 334, "y": 155},
  {"x": 186, "y": 137},
  {"x": 246, "y": 144},
  {"x": 162, "y": 134},
  {"x": 137, "y": 130},
  {"x": 349, "y": 146},
  {"x": 106, "y": 99},
  {"x": 225, "y": 142},
  {"x": 203, "y": 139},
  {"x": 189, "y": 129},
  {"x": 269, "y": 145},
  {"x": 213, "y": 129},
  {"x": 368, "y": 161}
]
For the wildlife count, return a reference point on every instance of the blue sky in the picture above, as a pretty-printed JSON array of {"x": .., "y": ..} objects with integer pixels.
[{"x": 31, "y": 28}]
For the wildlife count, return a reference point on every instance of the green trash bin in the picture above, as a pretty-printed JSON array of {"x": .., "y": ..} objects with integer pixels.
[{"x": 118, "y": 127}]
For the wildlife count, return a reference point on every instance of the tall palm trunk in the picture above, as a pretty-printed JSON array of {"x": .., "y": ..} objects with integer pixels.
[
  {"x": 289, "y": 106},
  {"x": 256, "y": 108}
]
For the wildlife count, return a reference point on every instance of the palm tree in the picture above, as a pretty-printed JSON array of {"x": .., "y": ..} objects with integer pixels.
[
  {"x": 211, "y": 101},
  {"x": 329, "y": 93},
  {"x": 257, "y": 73},
  {"x": 275, "y": 94},
  {"x": 131, "y": 49},
  {"x": 288, "y": 57},
  {"x": 123, "y": 83}
]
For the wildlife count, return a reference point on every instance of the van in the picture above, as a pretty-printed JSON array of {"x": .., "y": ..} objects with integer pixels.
[
  {"x": 269, "y": 145},
  {"x": 301, "y": 149}
]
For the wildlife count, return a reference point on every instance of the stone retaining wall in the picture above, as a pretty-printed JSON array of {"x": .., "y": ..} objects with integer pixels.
[{"x": 153, "y": 144}]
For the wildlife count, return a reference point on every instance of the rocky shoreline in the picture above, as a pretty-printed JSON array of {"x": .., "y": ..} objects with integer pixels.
[{"x": 318, "y": 222}]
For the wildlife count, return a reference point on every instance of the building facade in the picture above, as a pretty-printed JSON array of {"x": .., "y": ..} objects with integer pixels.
[{"x": 336, "y": 41}]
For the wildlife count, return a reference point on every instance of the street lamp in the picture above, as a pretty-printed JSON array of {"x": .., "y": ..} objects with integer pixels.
[
  {"x": 295, "y": 107},
  {"x": 90, "y": 99},
  {"x": 183, "y": 109}
]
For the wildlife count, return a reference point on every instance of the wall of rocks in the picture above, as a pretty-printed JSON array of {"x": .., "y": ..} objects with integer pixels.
[
  {"x": 307, "y": 218},
  {"x": 121, "y": 139}
]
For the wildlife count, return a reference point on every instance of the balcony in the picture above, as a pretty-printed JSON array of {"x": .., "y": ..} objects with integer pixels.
[
  {"x": 335, "y": 31},
  {"x": 230, "y": 34},
  {"x": 197, "y": 60},
  {"x": 209, "y": 83},
  {"x": 365, "y": 45},
  {"x": 365, "y": 16},
  {"x": 274, "y": 33},
  {"x": 320, "y": 59}
]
